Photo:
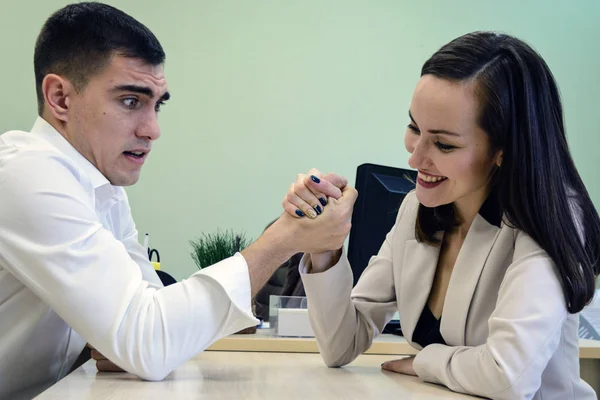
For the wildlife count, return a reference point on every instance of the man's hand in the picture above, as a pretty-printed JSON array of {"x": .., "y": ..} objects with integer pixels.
[
  {"x": 401, "y": 366},
  {"x": 104, "y": 364}
]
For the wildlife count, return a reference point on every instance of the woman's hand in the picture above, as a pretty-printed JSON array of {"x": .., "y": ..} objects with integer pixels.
[
  {"x": 401, "y": 366},
  {"x": 309, "y": 195}
]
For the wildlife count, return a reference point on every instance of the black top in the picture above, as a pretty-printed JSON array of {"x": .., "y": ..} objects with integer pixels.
[{"x": 427, "y": 330}]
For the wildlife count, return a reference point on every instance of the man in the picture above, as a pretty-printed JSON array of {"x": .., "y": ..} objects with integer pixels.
[{"x": 71, "y": 268}]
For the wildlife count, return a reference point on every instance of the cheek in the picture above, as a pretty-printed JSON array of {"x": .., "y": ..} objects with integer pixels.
[{"x": 472, "y": 169}]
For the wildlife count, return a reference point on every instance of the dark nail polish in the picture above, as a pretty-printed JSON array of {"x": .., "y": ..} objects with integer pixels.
[
  {"x": 299, "y": 213},
  {"x": 315, "y": 179},
  {"x": 323, "y": 202},
  {"x": 318, "y": 209}
]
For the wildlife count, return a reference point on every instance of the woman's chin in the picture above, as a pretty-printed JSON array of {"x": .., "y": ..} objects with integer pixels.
[{"x": 428, "y": 200}]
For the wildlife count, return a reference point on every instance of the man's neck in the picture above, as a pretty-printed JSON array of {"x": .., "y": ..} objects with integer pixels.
[{"x": 58, "y": 125}]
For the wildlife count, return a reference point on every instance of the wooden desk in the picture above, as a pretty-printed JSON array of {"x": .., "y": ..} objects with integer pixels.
[
  {"x": 249, "y": 376},
  {"x": 264, "y": 341},
  {"x": 261, "y": 366}
]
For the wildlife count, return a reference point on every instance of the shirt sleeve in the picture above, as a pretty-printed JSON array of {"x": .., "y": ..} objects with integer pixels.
[
  {"x": 52, "y": 241},
  {"x": 345, "y": 319}
]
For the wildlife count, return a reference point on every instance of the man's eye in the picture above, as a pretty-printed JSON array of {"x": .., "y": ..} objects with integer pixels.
[
  {"x": 130, "y": 102},
  {"x": 159, "y": 105}
]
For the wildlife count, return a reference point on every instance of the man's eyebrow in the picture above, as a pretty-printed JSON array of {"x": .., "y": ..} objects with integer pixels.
[
  {"x": 165, "y": 96},
  {"x": 135, "y": 89}
]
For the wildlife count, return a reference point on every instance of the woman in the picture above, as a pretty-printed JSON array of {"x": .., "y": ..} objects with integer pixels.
[{"x": 494, "y": 253}]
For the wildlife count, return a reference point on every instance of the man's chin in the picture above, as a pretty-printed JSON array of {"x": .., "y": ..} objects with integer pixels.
[{"x": 122, "y": 180}]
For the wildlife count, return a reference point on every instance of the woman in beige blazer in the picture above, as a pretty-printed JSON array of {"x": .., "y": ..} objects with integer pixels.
[{"x": 495, "y": 252}]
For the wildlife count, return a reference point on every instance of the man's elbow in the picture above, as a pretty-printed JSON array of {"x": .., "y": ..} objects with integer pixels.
[
  {"x": 150, "y": 368},
  {"x": 153, "y": 374}
]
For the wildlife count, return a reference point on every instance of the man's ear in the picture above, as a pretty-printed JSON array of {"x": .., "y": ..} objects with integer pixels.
[{"x": 58, "y": 92}]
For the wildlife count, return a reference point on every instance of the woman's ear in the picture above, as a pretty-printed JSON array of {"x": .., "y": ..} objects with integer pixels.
[{"x": 498, "y": 158}]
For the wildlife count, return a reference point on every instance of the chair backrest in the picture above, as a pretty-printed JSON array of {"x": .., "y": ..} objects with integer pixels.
[
  {"x": 381, "y": 190},
  {"x": 165, "y": 278}
]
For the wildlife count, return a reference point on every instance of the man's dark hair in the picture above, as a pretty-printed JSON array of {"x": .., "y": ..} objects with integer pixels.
[{"x": 78, "y": 41}]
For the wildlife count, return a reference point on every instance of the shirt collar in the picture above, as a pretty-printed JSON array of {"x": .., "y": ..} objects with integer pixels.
[{"x": 44, "y": 130}]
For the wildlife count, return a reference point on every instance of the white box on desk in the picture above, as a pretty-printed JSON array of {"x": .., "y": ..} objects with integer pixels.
[
  {"x": 294, "y": 322},
  {"x": 288, "y": 316}
]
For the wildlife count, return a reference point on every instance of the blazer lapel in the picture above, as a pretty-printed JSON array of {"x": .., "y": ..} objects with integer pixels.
[
  {"x": 418, "y": 270},
  {"x": 465, "y": 276}
]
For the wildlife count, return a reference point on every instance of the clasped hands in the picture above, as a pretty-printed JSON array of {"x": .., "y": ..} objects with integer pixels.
[{"x": 328, "y": 202}]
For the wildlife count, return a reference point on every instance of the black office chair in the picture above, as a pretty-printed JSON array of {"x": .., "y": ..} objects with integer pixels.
[{"x": 165, "y": 278}]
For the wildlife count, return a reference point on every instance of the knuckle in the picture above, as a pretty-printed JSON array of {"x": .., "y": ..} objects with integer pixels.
[{"x": 300, "y": 187}]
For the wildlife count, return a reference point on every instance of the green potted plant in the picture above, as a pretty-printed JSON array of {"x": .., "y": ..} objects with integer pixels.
[{"x": 211, "y": 248}]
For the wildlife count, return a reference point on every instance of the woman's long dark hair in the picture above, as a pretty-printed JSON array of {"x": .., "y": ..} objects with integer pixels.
[{"x": 538, "y": 186}]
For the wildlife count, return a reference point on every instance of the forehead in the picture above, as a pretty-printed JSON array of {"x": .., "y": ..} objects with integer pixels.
[
  {"x": 133, "y": 71},
  {"x": 443, "y": 104}
]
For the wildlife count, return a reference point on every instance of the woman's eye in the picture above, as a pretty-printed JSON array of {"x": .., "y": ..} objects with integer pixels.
[
  {"x": 445, "y": 147},
  {"x": 414, "y": 129}
]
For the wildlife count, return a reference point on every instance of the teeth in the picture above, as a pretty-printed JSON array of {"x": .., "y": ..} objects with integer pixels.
[
  {"x": 139, "y": 154},
  {"x": 431, "y": 179}
]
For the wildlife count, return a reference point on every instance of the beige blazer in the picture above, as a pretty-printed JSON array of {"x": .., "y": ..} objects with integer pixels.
[{"x": 505, "y": 322}]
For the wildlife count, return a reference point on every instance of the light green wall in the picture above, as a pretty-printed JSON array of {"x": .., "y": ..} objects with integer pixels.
[{"x": 263, "y": 90}]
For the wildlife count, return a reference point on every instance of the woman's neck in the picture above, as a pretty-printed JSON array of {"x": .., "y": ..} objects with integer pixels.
[{"x": 467, "y": 209}]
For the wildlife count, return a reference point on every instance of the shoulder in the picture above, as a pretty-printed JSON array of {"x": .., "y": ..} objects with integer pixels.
[
  {"x": 29, "y": 166},
  {"x": 409, "y": 208},
  {"x": 532, "y": 267},
  {"x": 526, "y": 247},
  {"x": 25, "y": 155},
  {"x": 404, "y": 227}
]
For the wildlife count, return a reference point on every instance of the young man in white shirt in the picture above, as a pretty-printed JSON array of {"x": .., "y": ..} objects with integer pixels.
[{"x": 71, "y": 268}]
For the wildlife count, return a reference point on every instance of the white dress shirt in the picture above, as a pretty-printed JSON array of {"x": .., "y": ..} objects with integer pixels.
[{"x": 72, "y": 271}]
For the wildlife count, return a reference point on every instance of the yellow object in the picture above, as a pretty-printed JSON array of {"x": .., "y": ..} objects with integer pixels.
[{"x": 156, "y": 265}]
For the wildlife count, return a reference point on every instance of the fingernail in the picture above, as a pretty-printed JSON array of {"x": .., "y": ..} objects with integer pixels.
[
  {"x": 323, "y": 202},
  {"x": 315, "y": 179},
  {"x": 318, "y": 209},
  {"x": 311, "y": 213},
  {"x": 299, "y": 213},
  {"x": 382, "y": 364}
]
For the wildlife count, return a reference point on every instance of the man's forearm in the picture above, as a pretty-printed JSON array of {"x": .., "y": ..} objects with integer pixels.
[{"x": 266, "y": 255}]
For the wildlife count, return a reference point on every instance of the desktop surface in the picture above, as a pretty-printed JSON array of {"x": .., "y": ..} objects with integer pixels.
[{"x": 237, "y": 375}]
